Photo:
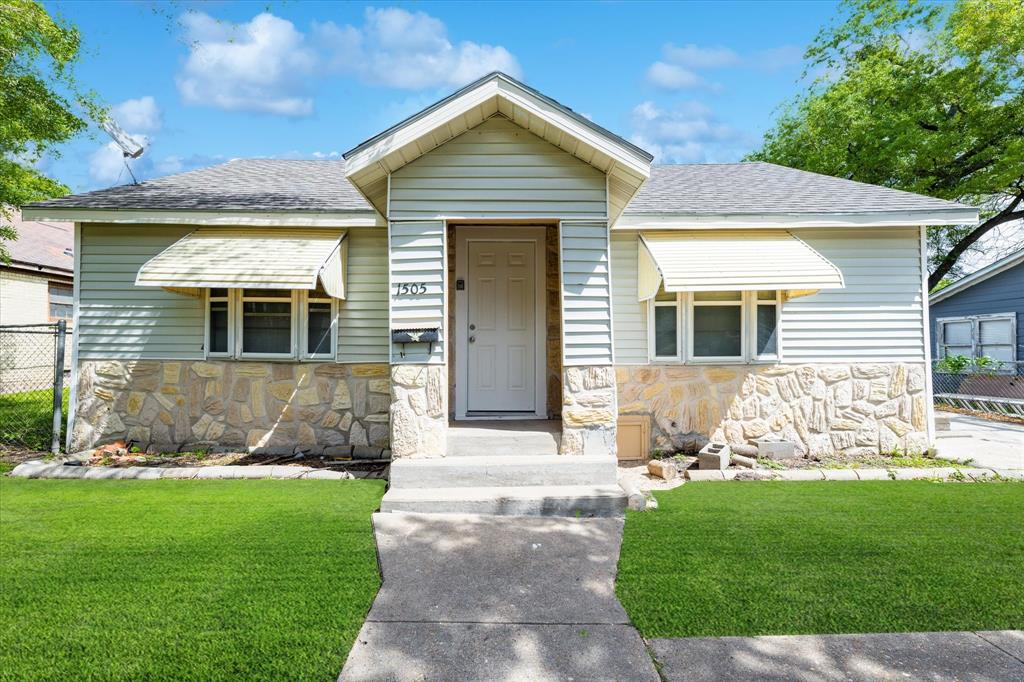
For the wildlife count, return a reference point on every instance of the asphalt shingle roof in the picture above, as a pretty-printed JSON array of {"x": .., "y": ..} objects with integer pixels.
[{"x": 320, "y": 185}]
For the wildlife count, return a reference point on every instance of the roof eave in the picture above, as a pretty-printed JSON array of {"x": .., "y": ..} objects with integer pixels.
[
  {"x": 632, "y": 220},
  {"x": 229, "y": 217},
  {"x": 987, "y": 272}
]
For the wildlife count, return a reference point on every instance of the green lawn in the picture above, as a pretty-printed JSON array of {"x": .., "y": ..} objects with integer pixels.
[
  {"x": 26, "y": 418},
  {"x": 772, "y": 558},
  {"x": 183, "y": 579}
]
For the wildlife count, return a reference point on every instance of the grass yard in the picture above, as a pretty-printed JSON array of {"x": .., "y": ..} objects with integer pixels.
[
  {"x": 773, "y": 558},
  {"x": 26, "y": 418},
  {"x": 183, "y": 579}
]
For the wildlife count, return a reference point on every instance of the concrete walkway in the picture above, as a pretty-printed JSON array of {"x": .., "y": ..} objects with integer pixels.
[
  {"x": 933, "y": 656},
  {"x": 470, "y": 597},
  {"x": 999, "y": 445}
]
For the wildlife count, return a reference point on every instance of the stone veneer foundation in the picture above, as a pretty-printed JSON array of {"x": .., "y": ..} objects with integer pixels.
[
  {"x": 419, "y": 410},
  {"x": 262, "y": 406},
  {"x": 589, "y": 414},
  {"x": 825, "y": 409}
]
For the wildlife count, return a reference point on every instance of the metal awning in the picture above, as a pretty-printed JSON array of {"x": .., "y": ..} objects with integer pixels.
[
  {"x": 236, "y": 258},
  {"x": 731, "y": 260}
]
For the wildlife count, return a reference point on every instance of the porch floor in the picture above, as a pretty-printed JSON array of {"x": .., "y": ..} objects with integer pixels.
[{"x": 504, "y": 438}]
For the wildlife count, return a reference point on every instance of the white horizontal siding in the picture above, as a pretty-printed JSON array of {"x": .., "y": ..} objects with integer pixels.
[
  {"x": 629, "y": 316},
  {"x": 417, "y": 257},
  {"x": 878, "y": 316},
  {"x": 498, "y": 170},
  {"x": 586, "y": 294},
  {"x": 118, "y": 320},
  {"x": 363, "y": 316}
]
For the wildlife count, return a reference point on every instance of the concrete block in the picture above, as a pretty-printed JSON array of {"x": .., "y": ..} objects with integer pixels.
[
  {"x": 840, "y": 474},
  {"x": 912, "y": 474},
  {"x": 714, "y": 456},
  {"x": 180, "y": 472},
  {"x": 872, "y": 474},
  {"x": 705, "y": 475},
  {"x": 801, "y": 475},
  {"x": 773, "y": 447}
]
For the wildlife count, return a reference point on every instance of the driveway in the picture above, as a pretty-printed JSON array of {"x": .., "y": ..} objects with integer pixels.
[
  {"x": 997, "y": 445},
  {"x": 471, "y": 597}
]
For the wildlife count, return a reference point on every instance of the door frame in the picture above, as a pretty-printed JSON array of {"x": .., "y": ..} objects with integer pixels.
[{"x": 502, "y": 233}]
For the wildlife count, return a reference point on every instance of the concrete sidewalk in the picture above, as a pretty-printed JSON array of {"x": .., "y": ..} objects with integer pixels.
[
  {"x": 933, "y": 656},
  {"x": 470, "y": 597}
]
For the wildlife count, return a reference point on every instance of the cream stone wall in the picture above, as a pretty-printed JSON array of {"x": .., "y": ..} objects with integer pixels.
[
  {"x": 419, "y": 410},
  {"x": 825, "y": 409},
  {"x": 588, "y": 411},
  {"x": 267, "y": 406}
]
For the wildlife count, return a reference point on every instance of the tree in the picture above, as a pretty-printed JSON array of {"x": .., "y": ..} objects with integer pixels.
[
  {"x": 41, "y": 105},
  {"x": 922, "y": 97}
]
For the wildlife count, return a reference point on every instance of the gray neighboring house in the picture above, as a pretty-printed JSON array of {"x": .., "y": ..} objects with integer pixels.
[
  {"x": 497, "y": 256},
  {"x": 982, "y": 313}
]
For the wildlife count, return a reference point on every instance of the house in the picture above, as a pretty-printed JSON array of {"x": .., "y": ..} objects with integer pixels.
[
  {"x": 35, "y": 289},
  {"x": 499, "y": 256},
  {"x": 982, "y": 314}
]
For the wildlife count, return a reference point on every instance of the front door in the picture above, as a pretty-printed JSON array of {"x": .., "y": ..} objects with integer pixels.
[{"x": 501, "y": 326}]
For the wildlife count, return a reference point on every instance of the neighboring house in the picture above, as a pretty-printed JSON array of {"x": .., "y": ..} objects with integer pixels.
[
  {"x": 982, "y": 314},
  {"x": 35, "y": 288},
  {"x": 499, "y": 256}
]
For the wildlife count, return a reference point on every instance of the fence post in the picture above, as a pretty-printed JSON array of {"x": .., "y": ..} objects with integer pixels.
[{"x": 58, "y": 386}]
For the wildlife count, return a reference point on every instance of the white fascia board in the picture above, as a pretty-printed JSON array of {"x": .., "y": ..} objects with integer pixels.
[
  {"x": 662, "y": 221},
  {"x": 225, "y": 218},
  {"x": 988, "y": 271}
]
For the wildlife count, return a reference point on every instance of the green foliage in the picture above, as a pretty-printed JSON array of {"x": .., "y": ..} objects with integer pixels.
[
  {"x": 961, "y": 364},
  {"x": 41, "y": 105},
  {"x": 922, "y": 97},
  {"x": 953, "y": 364},
  {"x": 183, "y": 580},
  {"x": 779, "y": 558}
]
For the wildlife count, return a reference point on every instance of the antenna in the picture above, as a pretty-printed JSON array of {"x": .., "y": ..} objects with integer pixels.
[{"x": 129, "y": 147}]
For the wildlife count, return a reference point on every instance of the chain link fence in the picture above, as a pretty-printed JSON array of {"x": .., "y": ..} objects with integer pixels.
[
  {"x": 33, "y": 373},
  {"x": 998, "y": 389}
]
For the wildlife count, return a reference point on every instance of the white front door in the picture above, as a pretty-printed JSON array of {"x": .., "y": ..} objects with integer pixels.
[{"x": 501, "y": 326}]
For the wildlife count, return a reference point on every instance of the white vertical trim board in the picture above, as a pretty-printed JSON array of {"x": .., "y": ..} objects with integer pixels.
[
  {"x": 76, "y": 287},
  {"x": 586, "y": 293},
  {"x": 417, "y": 292},
  {"x": 929, "y": 397}
]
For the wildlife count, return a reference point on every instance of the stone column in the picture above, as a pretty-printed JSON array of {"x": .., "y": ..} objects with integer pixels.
[
  {"x": 419, "y": 410},
  {"x": 589, "y": 411}
]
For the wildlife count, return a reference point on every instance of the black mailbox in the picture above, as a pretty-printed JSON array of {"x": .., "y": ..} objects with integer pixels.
[{"x": 429, "y": 335}]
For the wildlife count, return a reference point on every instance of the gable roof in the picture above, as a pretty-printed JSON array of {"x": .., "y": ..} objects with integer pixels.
[
  {"x": 1013, "y": 260},
  {"x": 371, "y": 162},
  {"x": 42, "y": 246},
  {"x": 698, "y": 190}
]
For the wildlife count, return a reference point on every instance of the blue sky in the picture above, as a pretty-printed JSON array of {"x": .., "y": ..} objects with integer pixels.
[{"x": 691, "y": 82}]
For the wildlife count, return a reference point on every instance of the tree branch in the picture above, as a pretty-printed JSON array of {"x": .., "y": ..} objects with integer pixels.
[{"x": 949, "y": 260}]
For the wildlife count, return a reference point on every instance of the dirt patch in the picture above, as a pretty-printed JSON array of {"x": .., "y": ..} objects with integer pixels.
[{"x": 988, "y": 416}]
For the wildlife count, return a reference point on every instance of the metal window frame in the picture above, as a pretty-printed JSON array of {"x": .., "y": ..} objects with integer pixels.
[{"x": 975, "y": 320}]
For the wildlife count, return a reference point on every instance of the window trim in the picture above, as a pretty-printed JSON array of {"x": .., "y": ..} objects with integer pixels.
[
  {"x": 748, "y": 303},
  {"x": 975, "y": 320},
  {"x": 299, "y": 300},
  {"x": 50, "y": 285}
]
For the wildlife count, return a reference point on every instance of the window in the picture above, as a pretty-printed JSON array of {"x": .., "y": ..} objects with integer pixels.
[
  {"x": 666, "y": 325},
  {"x": 271, "y": 323},
  {"x": 721, "y": 326},
  {"x": 61, "y": 301},
  {"x": 717, "y": 325},
  {"x": 977, "y": 336}
]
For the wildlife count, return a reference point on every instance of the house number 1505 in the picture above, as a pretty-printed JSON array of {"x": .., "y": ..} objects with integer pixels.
[{"x": 414, "y": 289}]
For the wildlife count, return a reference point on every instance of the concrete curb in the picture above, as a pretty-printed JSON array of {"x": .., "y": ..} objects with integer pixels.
[
  {"x": 894, "y": 474},
  {"x": 38, "y": 469}
]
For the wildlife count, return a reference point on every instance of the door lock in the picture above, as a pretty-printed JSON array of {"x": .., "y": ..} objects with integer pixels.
[
  {"x": 472, "y": 327},
  {"x": 472, "y": 339}
]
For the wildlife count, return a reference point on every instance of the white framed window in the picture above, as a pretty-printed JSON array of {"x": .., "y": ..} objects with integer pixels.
[
  {"x": 61, "y": 300},
  {"x": 715, "y": 326},
  {"x": 271, "y": 324},
  {"x": 976, "y": 336},
  {"x": 665, "y": 326},
  {"x": 220, "y": 332},
  {"x": 318, "y": 325}
]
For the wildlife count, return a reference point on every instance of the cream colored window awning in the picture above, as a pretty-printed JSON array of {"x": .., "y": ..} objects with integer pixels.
[
  {"x": 731, "y": 260},
  {"x": 237, "y": 258}
]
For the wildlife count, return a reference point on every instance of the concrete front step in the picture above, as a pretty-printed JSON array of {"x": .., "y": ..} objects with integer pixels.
[
  {"x": 503, "y": 470},
  {"x": 556, "y": 500}
]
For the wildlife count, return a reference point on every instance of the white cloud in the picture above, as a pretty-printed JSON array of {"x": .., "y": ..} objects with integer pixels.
[
  {"x": 673, "y": 77},
  {"x": 141, "y": 115},
  {"x": 106, "y": 164},
  {"x": 409, "y": 50},
  {"x": 262, "y": 65},
  {"x": 696, "y": 57},
  {"x": 687, "y": 133}
]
